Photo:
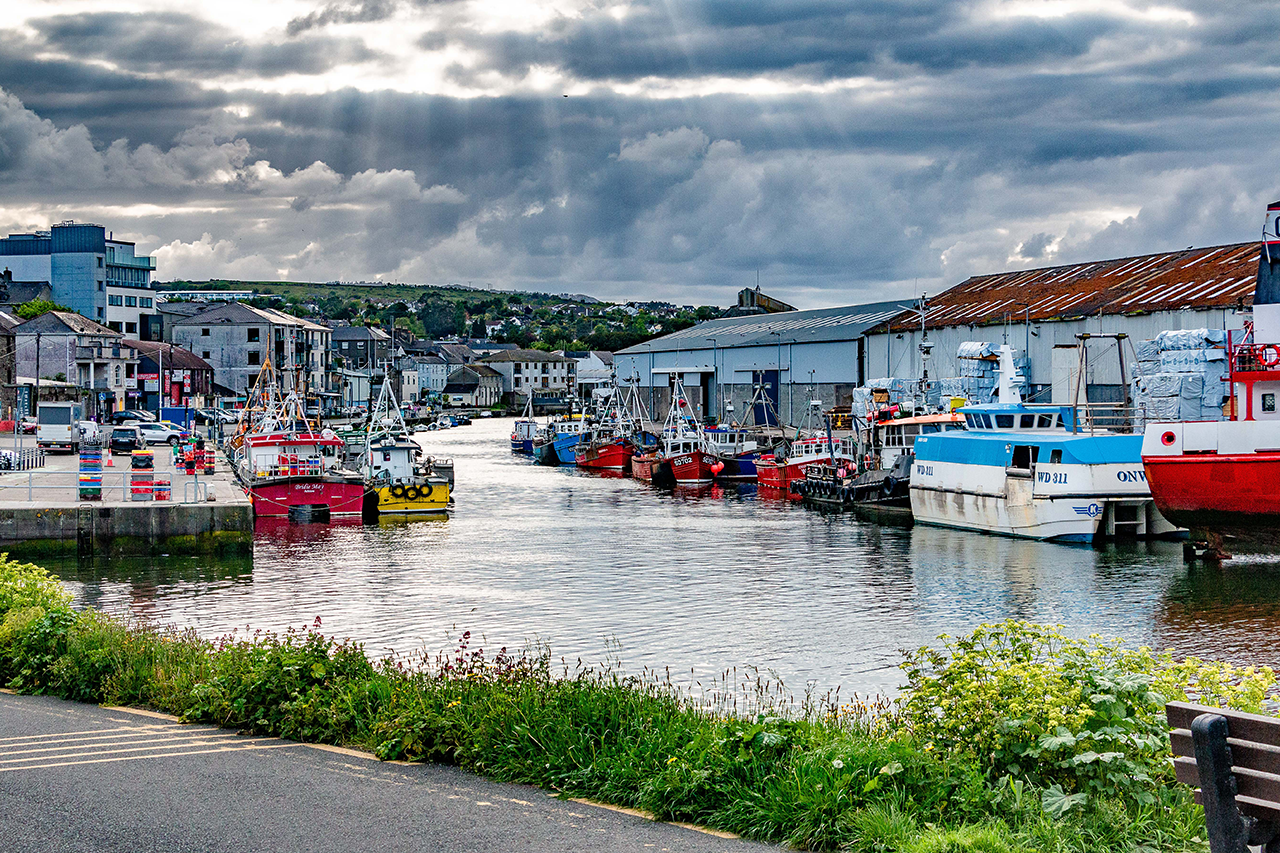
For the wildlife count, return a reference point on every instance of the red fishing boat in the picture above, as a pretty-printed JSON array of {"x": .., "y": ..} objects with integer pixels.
[
  {"x": 779, "y": 471},
  {"x": 609, "y": 443},
  {"x": 604, "y": 452},
  {"x": 288, "y": 468},
  {"x": 296, "y": 472},
  {"x": 1221, "y": 479}
]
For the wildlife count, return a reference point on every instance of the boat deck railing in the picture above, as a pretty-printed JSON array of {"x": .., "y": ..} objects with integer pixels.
[{"x": 1109, "y": 418}]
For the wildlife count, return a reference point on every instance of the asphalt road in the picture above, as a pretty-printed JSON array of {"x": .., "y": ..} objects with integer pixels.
[{"x": 82, "y": 778}]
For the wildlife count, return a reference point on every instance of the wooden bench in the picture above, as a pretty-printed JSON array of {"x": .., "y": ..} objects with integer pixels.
[{"x": 1233, "y": 759}]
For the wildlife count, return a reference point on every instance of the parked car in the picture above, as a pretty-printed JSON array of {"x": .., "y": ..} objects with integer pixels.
[
  {"x": 125, "y": 415},
  {"x": 89, "y": 431},
  {"x": 126, "y": 439},
  {"x": 161, "y": 433},
  {"x": 29, "y": 425}
]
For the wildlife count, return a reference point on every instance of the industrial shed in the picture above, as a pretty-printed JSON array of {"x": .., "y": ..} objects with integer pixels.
[
  {"x": 795, "y": 355},
  {"x": 1042, "y": 311}
]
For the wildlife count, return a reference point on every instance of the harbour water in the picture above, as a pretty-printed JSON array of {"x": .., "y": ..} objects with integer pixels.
[{"x": 600, "y": 566}]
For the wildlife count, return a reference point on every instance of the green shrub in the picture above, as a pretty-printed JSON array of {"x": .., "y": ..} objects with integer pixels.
[
  {"x": 27, "y": 585},
  {"x": 1079, "y": 719}
]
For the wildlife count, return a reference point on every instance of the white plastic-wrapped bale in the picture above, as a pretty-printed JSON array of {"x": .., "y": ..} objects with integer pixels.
[{"x": 1190, "y": 339}]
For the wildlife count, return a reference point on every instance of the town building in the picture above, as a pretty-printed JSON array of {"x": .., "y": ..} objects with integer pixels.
[
  {"x": 593, "y": 370},
  {"x": 171, "y": 374},
  {"x": 474, "y": 385},
  {"x": 90, "y": 272},
  {"x": 790, "y": 357},
  {"x": 433, "y": 375},
  {"x": 408, "y": 384},
  {"x": 531, "y": 371},
  {"x": 361, "y": 347},
  {"x": 14, "y": 293},
  {"x": 172, "y": 311},
  {"x": 237, "y": 340},
  {"x": 63, "y": 346}
]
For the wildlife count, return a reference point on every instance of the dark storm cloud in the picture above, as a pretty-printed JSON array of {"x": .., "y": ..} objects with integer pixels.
[
  {"x": 171, "y": 41},
  {"x": 360, "y": 12},
  {"x": 112, "y": 104},
  {"x": 806, "y": 40},
  {"x": 353, "y": 12}
]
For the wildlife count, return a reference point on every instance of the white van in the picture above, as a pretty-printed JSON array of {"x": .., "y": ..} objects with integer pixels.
[{"x": 58, "y": 425}]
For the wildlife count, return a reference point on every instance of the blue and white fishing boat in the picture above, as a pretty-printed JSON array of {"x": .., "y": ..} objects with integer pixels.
[
  {"x": 1035, "y": 471},
  {"x": 557, "y": 442},
  {"x": 525, "y": 430}
]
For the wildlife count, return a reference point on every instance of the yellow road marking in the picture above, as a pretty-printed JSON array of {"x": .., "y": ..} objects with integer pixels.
[{"x": 141, "y": 757}]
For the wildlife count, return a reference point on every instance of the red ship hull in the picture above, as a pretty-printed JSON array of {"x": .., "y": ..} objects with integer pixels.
[
  {"x": 693, "y": 468},
  {"x": 772, "y": 475},
  {"x": 1231, "y": 494},
  {"x": 614, "y": 456},
  {"x": 273, "y": 499}
]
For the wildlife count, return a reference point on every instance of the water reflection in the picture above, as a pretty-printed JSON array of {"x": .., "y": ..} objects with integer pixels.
[{"x": 695, "y": 579}]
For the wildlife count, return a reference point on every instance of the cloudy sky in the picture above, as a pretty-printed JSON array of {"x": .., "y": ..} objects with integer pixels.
[{"x": 847, "y": 151}]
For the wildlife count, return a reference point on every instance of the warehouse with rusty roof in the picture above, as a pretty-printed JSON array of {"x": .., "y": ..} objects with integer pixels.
[{"x": 1042, "y": 311}]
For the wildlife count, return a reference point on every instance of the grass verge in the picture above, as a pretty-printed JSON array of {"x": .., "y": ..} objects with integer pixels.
[{"x": 1013, "y": 738}]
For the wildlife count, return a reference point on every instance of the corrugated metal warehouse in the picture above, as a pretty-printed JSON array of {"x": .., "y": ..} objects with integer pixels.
[
  {"x": 1041, "y": 311},
  {"x": 721, "y": 361}
]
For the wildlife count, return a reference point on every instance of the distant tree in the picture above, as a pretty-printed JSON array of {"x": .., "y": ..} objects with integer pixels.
[
  {"x": 478, "y": 329},
  {"x": 36, "y": 307}
]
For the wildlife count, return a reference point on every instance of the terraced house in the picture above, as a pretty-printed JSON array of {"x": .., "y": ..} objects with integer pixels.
[
  {"x": 238, "y": 340},
  {"x": 531, "y": 371}
]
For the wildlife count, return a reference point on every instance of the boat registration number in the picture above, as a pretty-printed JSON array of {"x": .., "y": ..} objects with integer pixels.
[
  {"x": 924, "y": 470},
  {"x": 682, "y": 460},
  {"x": 1054, "y": 478}
]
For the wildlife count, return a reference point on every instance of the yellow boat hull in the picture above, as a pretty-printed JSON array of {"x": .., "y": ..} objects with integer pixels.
[{"x": 430, "y": 497}]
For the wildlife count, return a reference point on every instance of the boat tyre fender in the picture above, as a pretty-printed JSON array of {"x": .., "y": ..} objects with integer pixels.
[
  {"x": 889, "y": 486},
  {"x": 412, "y": 493},
  {"x": 846, "y": 494},
  {"x": 397, "y": 491}
]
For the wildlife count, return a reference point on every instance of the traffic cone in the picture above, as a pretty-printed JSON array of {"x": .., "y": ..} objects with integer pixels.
[{"x": 110, "y": 464}]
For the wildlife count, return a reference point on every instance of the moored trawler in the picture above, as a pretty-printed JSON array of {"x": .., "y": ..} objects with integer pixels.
[
  {"x": 286, "y": 466},
  {"x": 395, "y": 468},
  {"x": 1039, "y": 472},
  {"x": 1221, "y": 479}
]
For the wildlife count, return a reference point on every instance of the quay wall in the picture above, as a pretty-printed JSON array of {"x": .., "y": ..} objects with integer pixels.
[{"x": 142, "y": 529}]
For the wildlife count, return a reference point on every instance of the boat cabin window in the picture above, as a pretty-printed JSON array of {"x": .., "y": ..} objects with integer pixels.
[
  {"x": 1025, "y": 456},
  {"x": 1047, "y": 421},
  {"x": 1004, "y": 421},
  {"x": 1055, "y": 456},
  {"x": 930, "y": 429},
  {"x": 1027, "y": 422},
  {"x": 986, "y": 422}
]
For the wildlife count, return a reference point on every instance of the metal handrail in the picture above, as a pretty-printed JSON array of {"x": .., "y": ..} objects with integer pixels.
[{"x": 11, "y": 481}]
